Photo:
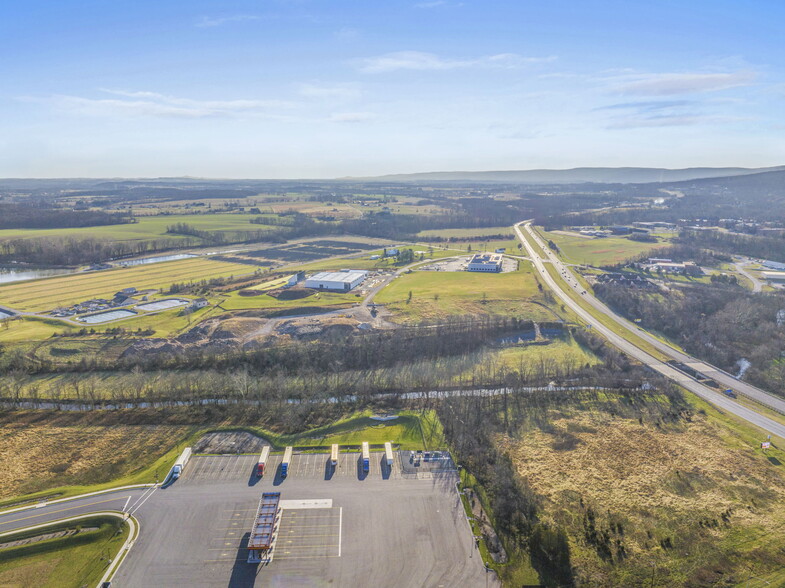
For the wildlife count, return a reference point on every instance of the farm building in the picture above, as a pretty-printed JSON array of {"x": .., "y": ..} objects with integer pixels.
[
  {"x": 342, "y": 281},
  {"x": 774, "y": 276},
  {"x": 773, "y": 265},
  {"x": 485, "y": 262},
  {"x": 199, "y": 303}
]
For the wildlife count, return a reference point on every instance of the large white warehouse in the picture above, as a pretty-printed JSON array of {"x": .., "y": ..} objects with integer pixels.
[{"x": 342, "y": 281}]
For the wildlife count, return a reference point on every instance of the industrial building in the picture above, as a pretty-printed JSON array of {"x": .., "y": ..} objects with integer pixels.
[
  {"x": 485, "y": 262},
  {"x": 342, "y": 281},
  {"x": 774, "y": 265},
  {"x": 778, "y": 277}
]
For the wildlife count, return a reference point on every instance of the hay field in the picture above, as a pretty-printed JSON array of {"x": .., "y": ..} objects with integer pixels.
[
  {"x": 647, "y": 503},
  {"x": 605, "y": 251},
  {"x": 49, "y": 293}
]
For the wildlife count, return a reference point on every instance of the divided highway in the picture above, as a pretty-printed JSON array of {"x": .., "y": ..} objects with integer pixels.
[{"x": 726, "y": 380}]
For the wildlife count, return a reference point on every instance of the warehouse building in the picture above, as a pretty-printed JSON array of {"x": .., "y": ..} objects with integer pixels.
[
  {"x": 774, "y": 265},
  {"x": 778, "y": 277},
  {"x": 485, "y": 262},
  {"x": 342, "y": 281}
]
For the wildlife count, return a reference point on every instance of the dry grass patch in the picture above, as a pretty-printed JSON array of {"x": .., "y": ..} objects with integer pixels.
[{"x": 683, "y": 504}]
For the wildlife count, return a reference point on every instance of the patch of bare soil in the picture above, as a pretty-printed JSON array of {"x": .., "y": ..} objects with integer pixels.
[
  {"x": 230, "y": 442},
  {"x": 684, "y": 501}
]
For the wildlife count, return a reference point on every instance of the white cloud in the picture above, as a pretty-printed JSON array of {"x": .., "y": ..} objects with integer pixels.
[
  {"x": 147, "y": 104},
  {"x": 421, "y": 61},
  {"x": 669, "y": 84},
  {"x": 341, "y": 91},
  {"x": 207, "y": 22},
  {"x": 351, "y": 117}
]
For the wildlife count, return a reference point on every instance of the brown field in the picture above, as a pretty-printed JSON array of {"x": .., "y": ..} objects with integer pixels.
[
  {"x": 37, "y": 456},
  {"x": 677, "y": 505}
]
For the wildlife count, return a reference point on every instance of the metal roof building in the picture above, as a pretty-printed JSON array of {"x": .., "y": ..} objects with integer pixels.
[
  {"x": 485, "y": 262},
  {"x": 342, "y": 281}
]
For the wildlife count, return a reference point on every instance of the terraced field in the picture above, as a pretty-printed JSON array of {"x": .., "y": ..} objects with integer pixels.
[{"x": 50, "y": 293}]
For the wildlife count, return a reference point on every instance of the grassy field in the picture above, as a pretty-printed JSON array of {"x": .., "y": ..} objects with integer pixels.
[
  {"x": 46, "y": 294},
  {"x": 464, "y": 233},
  {"x": 57, "y": 453},
  {"x": 76, "y": 560},
  {"x": 560, "y": 352},
  {"x": 435, "y": 295},
  {"x": 150, "y": 227},
  {"x": 606, "y": 251},
  {"x": 233, "y": 301},
  {"x": 690, "y": 503}
]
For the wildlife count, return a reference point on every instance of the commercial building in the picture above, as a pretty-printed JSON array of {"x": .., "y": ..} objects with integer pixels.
[
  {"x": 778, "y": 277},
  {"x": 774, "y": 265},
  {"x": 342, "y": 281},
  {"x": 485, "y": 262}
]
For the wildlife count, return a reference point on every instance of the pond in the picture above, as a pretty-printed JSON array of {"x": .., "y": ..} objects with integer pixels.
[
  {"x": 162, "y": 304},
  {"x": 160, "y": 258},
  {"x": 18, "y": 275},
  {"x": 103, "y": 317}
]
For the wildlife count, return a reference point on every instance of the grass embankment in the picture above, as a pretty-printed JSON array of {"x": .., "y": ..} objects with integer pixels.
[
  {"x": 76, "y": 560},
  {"x": 313, "y": 298},
  {"x": 49, "y": 293},
  {"x": 437, "y": 295},
  {"x": 602, "y": 251}
]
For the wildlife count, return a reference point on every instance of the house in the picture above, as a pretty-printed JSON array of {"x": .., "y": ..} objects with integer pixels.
[
  {"x": 199, "y": 303},
  {"x": 485, "y": 262}
]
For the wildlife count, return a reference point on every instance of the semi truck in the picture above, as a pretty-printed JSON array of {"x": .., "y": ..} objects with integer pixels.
[
  {"x": 366, "y": 457},
  {"x": 388, "y": 454},
  {"x": 334, "y": 455},
  {"x": 263, "y": 457},
  {"x": 181, "y": 462},
  {"x": 287, "y": 459}
]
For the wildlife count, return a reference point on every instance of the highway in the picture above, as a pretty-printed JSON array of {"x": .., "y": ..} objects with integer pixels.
[{"x": 718, "y": 399}]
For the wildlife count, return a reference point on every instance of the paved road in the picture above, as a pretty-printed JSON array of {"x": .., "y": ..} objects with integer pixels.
[
  {"x": 726, "y": 380},
  {"x": 127, "y": 500},
  {"x": 740, "y": 265}
]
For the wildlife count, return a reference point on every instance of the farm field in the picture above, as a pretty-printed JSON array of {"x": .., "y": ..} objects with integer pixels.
[
  {"x": 46, "y": 294},
  {"x": 458, "y": 234},
  {"x": 686, "y": 503},
  {"x": 606, "y": 251},
  {"x": 148, "y": 227},
  {"x": 435, "y": 295}
]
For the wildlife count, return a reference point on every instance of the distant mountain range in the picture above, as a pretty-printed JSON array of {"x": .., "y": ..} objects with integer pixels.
[{"x": 578, "y": 175}]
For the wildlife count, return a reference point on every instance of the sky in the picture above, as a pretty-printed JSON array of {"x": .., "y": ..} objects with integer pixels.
[{"x": 334, "y": 88}]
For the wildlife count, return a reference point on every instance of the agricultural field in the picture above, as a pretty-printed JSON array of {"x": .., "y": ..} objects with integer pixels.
[
  {"x": 458, "y": 234},
  {"x": 605, "y": 251},
  {"x": 73, "y": 560},
  {"x": 660, "y": 504},
  {"x": 435, "y": 295},
  {"x": 148, "y": 227},
  {"x": 49, "y": 293}
]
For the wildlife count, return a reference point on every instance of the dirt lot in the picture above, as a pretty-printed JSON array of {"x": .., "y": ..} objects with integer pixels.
[
  {"x": 45, "y": 455},
  {"x": 687, "y": 503},
  {"x": 229, "y": 442}
]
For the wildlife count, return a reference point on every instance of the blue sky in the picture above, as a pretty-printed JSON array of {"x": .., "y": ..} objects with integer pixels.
[{"x": 298, "y": 88}]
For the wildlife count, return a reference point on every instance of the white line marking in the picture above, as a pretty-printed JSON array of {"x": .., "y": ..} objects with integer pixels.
[
  {"x": 126, "y": 504},
  {"x": 143, "y": 501},
  {"x": 340, "y": 529}
]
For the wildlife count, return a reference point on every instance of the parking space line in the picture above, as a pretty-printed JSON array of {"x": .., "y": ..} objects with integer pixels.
[{"x": 340, "y": 529}]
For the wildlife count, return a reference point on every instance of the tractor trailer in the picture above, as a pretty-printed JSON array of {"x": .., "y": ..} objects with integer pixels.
[
  {"x": 181, "y": 462},
  {"x": 366, "y": 457},
  {"x": 287, "y": 459},
  {"x": 388, "y": 454},
  {"x": 263, "y": 457},
  {"x": 334, "y": 456}
]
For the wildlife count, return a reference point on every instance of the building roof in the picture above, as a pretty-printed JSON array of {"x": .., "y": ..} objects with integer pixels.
[
  {"x": 344, "y": 276},
  {"x": 486, "y": 258}
]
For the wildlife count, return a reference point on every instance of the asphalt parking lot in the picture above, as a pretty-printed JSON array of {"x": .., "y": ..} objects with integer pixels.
[{"x": 337, "y": 528}]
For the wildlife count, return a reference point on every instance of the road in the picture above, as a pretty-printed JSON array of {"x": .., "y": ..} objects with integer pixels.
[
  {"x": 716, "y": 398},
  {"x": 122, "y": 500},
  {"x": 740, "y": 264}
]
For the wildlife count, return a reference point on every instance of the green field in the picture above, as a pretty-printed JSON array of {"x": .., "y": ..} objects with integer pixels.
[
  {"x": 435, "y": 295},
  {"x": 49, "y": 293},
  {"x": 151, "y": 227},
  {"x": 233, "y": 301},
  {"x": 605, "y": 251},
  {"x": 467, "y": 233},
  {"x": 77, "y": 560}
]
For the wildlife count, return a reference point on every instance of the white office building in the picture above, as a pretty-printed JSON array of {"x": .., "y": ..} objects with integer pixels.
[{"x": 485, "y": 262}]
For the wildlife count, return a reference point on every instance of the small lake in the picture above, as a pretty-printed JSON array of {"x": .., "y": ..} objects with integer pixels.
[
  {"x": 4, "y": 315},
  {"x": 162, "y": 304},
  {"x": 103, "y": 317},
  {"x": 17, "y": 275},
  {"x": 160, "y": 258}
]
